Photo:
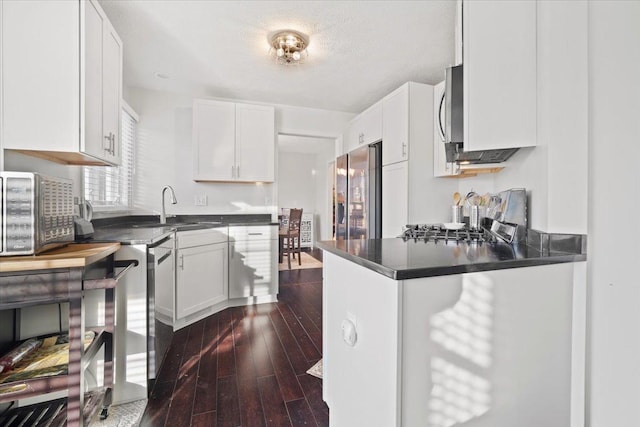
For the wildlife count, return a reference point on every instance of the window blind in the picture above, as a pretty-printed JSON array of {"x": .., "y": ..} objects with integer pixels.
[{"x": 110, "y": 188}]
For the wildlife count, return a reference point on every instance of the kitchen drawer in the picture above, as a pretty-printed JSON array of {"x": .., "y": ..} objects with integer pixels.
[
  {"x": 188, "y": 239},
  {"x": 257, "y": 245},
  {"x": 253, "y": 232}
]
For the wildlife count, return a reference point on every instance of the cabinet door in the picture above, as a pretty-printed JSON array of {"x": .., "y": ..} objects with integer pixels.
[
  {"x": 371, "y": 124},
  {"x": 395, "y": 200},
  {"x": 499, "y": 57},
  {"x": 395, "y": 129},
  {"x": 253, "y": 269},
  {"x": 213, "y": 140},
  {"x": 111, "y": 92},
  {"x": 93, "y": 143},
  {"x": 353, "y": 134},
  {"x": 41, "y": 75},
  {"x": 102, "y": 85},
  {"x": 366, "y": 128},
  {"x": 255, "y": 143},
  {"x": 201, "y": 279}
]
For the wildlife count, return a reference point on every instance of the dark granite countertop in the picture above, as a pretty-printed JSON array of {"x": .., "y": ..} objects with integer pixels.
[
  {"x": 146, "y": 230},
  {"x": 399, "y": 259}
]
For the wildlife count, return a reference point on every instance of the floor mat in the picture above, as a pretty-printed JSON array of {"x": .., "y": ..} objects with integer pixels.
[
  {"x": 307, "y": 262},
  {"x": 316, "y": 370},
  {"x": 125, "y": 415}
]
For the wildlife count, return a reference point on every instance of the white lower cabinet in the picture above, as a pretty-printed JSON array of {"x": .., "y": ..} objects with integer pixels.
[
  {"x": 218, "y": 268},
  {"x": 201, "y": 271},
  {"x": 253, "y": 270}
]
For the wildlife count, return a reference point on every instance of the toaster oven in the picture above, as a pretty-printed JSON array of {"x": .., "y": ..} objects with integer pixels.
[{"x": 36, "y": 213}]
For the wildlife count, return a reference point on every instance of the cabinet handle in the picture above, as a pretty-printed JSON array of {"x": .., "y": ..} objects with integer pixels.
[
  {"x": 238, "y": 171},
  {"x": 181, "y": 264},
  {"x": 255, "y": 234},
  {"x": 107, "y": 147},
  {"x": 113, "y": 144},
  {"x": 404, "y": 149},
  {"x": 231, "y": 249}
]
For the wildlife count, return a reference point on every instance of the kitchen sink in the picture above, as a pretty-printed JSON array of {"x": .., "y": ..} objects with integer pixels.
[{"x": 157, "y": 225}]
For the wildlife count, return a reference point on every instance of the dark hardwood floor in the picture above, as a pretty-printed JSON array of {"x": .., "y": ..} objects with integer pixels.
[{"x": 246, "y": 366}]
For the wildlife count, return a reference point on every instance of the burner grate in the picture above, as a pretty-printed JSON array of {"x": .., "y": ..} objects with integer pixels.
[{"x": 437, "y": 232}]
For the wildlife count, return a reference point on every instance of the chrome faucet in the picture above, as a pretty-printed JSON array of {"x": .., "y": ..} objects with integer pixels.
[{"x": 163, "y": 215}]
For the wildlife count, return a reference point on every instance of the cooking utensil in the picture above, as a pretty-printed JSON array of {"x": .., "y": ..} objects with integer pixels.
[
  {"x": 468, "y": 199},
  {"x": 456, "y": 198}
]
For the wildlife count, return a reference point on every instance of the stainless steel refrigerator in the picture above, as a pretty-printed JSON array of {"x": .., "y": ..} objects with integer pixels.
[{"x": 358, "y": 194}]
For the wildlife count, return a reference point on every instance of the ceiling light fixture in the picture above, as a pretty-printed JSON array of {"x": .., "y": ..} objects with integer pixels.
[{"x": 289, "y": 47}]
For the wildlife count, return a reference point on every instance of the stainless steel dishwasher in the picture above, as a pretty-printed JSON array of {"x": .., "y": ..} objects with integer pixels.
[{"x": 160, "y": 287}]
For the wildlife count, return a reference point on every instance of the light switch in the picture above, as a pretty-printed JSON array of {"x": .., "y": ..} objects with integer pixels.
[{"x": 201, "y": 200}]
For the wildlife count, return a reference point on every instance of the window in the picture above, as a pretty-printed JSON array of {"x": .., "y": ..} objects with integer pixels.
[{"x": 111, "y": 188}]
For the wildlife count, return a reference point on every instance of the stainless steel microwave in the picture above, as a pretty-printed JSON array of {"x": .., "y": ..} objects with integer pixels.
[
  {"x": 453, "y": 102},
  {"x": 36, "y": 213}
]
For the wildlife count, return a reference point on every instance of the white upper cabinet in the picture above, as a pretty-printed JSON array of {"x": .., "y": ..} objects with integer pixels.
[
  {"x": 233, "y": 142},
  {"x": 366, "y": 128},
  {"x": 499, "y": 58},
  {"x": 62, "y": 82},
  {"x": 395, "y": 126},
  {"x": 255, "y": 143},
  {"x": 214, "y": 139}
]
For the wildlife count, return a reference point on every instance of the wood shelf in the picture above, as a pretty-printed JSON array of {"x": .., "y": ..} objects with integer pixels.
[
  {"x": 70, "y": 256},
  {"x": 53, "y": 413}
]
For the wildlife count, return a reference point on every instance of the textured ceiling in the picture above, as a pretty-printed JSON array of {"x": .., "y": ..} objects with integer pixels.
[{"x": 358, "y": 50}]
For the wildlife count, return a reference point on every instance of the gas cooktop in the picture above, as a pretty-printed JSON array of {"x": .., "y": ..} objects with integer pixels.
[{"x": 437, "y": 232}]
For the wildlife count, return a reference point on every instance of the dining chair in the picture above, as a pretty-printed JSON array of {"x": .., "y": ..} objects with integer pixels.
[{"x": 293, "y": 236}]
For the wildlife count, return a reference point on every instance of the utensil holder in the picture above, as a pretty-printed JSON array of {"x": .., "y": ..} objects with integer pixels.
[
  {"x": 456, "y": 214},
  {"x": 476, "y": 213}
]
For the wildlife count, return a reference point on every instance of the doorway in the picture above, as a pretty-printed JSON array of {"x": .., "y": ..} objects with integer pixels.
[{"x": 303, "y": 181}]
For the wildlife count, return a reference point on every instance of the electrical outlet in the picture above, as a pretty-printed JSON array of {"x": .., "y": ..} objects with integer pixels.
[{"x": 201, "y": 200}]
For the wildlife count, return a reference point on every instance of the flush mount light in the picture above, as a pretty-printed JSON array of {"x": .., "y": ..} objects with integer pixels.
[{"x": 289, "y": 47}]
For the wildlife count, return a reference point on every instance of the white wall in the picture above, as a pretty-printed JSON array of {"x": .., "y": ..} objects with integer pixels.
[
  {"x": 297, "y": 181},
  {"x": 17, "y": 162},
  {"x": 165, "y": 155},
  {"x": 613, "y": 259}
]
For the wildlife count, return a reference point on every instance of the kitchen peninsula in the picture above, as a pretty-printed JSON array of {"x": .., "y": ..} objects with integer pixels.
[{"x": 446, "y": 332}]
